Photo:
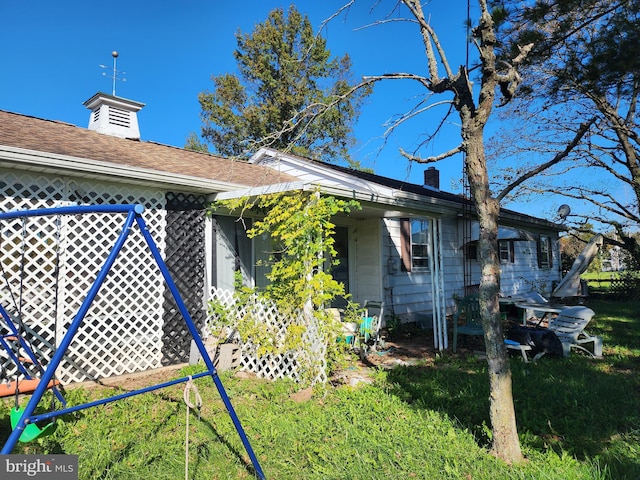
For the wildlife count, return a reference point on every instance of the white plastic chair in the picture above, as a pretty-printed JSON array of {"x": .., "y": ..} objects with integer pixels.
[{"x": 569, "y": 327}]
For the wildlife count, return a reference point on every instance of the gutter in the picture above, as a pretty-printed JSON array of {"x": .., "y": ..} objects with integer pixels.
[
  {"x": 398, "y": 200},
  {"x": 33, "y": 160}
]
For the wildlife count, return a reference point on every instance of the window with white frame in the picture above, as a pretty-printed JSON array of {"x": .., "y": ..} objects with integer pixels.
[
  {"x": 506, "y": 251},
  {"x": 545, "y": 255},
  {"x": 414, "y": 244}
]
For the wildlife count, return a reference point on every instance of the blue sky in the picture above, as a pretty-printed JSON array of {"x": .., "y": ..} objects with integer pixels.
[{"x": 51, "y": 52}]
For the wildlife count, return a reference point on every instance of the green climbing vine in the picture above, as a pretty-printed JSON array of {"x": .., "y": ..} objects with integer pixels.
[{"x": 300, "y": 226}]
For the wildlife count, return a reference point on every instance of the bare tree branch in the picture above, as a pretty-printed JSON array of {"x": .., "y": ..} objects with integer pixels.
[
  {"x": 609, "y": 169},
  {"x": 633, "y": 106},
  {"x": 429, "y": 35},
  {"x": 346, "y": 6},
  {"x": 582, "y": 130},
  {"x": 425, "y": 81},
  {"x": 411, "y": 114},
  {"x": 437, "y": 158},
  {"x": 382, "y": 22},
  {"x": 510, "y": 81},
  {"x": 608, "y": 203},
  {"x": 438, "y": 128}
]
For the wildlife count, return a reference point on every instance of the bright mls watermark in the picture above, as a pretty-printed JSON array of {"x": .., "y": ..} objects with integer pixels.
[{"x": 39, "y": 467}]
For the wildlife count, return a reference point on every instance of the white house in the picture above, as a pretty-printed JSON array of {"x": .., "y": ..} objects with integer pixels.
[
  {"x": 46, "y": 163},
  {"x": 411, "y": 246}
]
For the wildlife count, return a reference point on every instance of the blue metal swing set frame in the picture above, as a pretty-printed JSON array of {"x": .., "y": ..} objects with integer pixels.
[{"x": 134, "y": 217}]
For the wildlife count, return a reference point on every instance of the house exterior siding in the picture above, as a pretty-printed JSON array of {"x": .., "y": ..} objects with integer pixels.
[
  {"x": 50, "y": 163},
  {"x": 524, "y": 274},
  {"x": 453, "y": 261},
  {"x": 130, "y": 326},
  {"x": 408, "y": 294}
]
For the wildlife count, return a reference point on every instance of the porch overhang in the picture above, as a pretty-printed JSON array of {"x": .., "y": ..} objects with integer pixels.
[{"x": 374, "y": 204}]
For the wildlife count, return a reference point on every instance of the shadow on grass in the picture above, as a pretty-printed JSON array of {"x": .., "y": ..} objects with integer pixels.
[
  {"x": 584, "y": 407},
  {"x": 581, "y": 406},
  {"x": 134, "y": 429}
]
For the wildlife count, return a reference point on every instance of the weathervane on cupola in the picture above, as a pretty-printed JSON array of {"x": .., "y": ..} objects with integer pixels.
[
  {"x": 115, "y": 74},
  {"x": 112, "y": 115}
]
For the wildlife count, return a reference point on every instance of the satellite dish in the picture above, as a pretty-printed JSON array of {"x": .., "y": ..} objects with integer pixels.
[{"x": 563, "y": 212}]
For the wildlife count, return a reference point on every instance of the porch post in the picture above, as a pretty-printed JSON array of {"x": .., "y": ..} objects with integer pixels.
[{"x": 440, "y": 336}]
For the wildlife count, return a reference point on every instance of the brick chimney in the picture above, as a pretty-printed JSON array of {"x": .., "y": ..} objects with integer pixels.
[
  {"x": 114, "y": 116},
  {"x": 432, "y": 178}
]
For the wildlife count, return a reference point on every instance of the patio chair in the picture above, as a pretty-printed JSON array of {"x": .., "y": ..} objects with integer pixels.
[
  {"x": 468, "y": 312},
  {"x": 569, "y": 327}
]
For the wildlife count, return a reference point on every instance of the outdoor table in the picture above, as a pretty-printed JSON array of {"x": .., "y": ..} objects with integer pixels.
[
  {"x": 511, "y": 300},
  {"x": 508, "y": 301},
  {"x": 528, "y": 309}
]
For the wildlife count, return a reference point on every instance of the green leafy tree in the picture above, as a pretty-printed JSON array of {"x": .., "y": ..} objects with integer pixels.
[
  {"x": 572, "y": 244},
  {"x": 301, "y": 227},
  {"x": 288, "y": 94},
  {"x": 195, "y": 143}
]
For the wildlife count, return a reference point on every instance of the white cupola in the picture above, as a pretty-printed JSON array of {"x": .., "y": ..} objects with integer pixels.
[{"x": 114, "y": 116}]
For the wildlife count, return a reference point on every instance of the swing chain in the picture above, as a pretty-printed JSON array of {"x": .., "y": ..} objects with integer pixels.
[{"x": 21, "y": 328}]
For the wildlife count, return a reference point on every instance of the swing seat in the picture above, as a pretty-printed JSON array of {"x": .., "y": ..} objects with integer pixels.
[
  {"x": 31, "y": 431},
  {"x": 24, "y": 386}
]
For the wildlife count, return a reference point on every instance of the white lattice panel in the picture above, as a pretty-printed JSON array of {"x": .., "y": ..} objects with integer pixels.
[
  {"x": 123, "y": 328},
  {"x": 287, "y": 365}
]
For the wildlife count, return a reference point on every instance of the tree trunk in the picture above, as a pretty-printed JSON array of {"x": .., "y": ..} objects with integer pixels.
[
  {"x": 506, "y": 444},
  {"x": 474, "y": 116}
]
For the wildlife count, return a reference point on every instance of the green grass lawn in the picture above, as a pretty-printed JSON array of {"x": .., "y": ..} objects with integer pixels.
[
  {"x": 602, "y": 282},
  {"x": 578, "y": 418}
]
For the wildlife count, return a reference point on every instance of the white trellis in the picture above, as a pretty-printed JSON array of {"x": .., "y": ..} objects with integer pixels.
[
  {"x": 122, "y": 332},
  {"x": 308, "y": 360}
]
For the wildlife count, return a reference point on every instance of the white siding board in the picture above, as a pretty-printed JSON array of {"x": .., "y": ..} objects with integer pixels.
[
  {"x": 523, "y": 275},
  {"x": 367, "y": 284},
  {"x": 320, "y": 175},
  {"x": 452, "y": 261}
]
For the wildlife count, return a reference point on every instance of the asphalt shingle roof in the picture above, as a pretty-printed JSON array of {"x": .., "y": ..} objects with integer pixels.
[
  {"x": 33, "y": 133},
  {"x": 49, "y": 136}
]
